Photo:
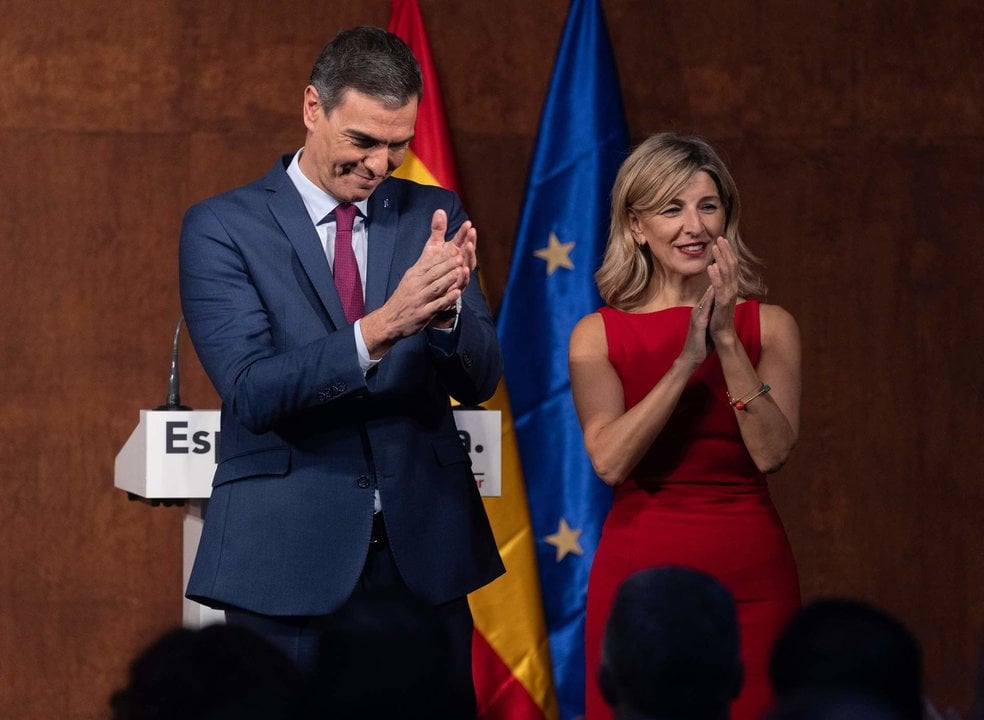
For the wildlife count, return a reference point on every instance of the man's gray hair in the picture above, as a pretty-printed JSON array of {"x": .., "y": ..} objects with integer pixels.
[{"x": 370, "y": 60}]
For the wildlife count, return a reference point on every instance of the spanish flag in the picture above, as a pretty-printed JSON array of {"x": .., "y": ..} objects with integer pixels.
[{"x": 510, "y": 656}]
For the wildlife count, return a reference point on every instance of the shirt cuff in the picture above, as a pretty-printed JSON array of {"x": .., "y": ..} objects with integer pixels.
[{"x": 365, "y": 362}]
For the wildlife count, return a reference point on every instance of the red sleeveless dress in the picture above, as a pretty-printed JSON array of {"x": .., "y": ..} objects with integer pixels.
[{"x": 695, "y": 499}]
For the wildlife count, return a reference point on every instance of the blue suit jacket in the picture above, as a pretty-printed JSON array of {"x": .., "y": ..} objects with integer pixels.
[{"x": 305, "y": 436}]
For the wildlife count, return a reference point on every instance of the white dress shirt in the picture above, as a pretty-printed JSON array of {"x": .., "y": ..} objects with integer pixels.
[{"x": 321, "y": 207}]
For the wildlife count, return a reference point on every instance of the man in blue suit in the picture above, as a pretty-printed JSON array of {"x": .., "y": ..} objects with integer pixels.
[{"x": 340, "y": 470}]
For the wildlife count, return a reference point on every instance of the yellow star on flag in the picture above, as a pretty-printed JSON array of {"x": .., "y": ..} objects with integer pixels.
[
  {"x": 565, "y": 540},
  {"x": 556, "y": 253}
]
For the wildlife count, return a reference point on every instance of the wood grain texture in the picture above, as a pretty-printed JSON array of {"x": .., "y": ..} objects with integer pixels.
[{"x": 854, "y": 131}]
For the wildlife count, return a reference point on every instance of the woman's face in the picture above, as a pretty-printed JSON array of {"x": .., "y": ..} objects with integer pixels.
[{"x": 679, "y": 235}]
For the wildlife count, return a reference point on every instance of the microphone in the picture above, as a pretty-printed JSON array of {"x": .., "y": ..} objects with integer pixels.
[{"x": 173, "y": 401}]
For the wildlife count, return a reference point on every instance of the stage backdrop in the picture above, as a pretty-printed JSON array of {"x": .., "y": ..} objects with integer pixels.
[{"x": 855, "y": 136}]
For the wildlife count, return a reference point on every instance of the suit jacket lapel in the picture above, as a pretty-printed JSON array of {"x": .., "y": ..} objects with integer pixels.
[
  {"x": 288, "y": 209},
  {"x": 383, "y": 222}
]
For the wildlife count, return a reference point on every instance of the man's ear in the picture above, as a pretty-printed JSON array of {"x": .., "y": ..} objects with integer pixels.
[{"x": 312, "y": 110}]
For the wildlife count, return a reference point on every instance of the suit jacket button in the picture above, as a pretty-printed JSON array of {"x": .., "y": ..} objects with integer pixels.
[{"x": 362, "y": 482}]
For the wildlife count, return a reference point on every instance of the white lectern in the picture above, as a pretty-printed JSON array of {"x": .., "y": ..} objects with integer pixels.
[{"x": 170, "y": 459}]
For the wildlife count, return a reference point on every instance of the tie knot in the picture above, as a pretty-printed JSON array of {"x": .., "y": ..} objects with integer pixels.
[{"x": 345, "y": 216}]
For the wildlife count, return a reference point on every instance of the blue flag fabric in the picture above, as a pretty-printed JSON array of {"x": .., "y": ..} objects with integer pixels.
[{"x": 563, "y": 229}]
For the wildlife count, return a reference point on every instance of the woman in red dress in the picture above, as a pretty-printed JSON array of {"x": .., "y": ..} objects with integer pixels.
[{"x": 688, "y": 394}]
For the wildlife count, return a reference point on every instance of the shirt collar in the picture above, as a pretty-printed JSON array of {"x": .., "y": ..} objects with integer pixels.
[{"x": 317, "y": 202}]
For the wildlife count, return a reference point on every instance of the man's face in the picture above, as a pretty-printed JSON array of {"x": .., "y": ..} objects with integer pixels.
[{"x": 352, "y": 149}]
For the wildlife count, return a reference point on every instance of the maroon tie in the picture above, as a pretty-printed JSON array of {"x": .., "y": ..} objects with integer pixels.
[{"x": 346, "y": 270}]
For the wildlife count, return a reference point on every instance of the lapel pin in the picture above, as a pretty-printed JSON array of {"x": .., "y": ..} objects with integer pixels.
[{"x": 386, "y": 202}]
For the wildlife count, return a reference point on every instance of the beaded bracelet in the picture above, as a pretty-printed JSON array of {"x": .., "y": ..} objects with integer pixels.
[{"x": 743, "y": 403}]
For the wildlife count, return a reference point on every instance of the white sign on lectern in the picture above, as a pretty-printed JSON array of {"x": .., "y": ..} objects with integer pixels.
[{"x": 171, "y": 454}]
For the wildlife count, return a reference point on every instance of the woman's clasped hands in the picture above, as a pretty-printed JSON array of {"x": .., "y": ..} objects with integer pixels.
[{"x": 712, "y": 322}]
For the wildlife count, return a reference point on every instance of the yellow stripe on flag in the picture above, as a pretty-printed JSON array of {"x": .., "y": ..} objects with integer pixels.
[
  {"x": 516, "y": 595},
  {"x": 414, "y": 169}
]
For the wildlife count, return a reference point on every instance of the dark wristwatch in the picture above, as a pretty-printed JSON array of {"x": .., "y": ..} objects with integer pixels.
[{"x": 450, "y": 314}]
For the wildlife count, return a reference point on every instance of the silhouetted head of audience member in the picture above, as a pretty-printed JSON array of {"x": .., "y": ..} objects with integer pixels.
[
  {"x": 671, "y": 647},
  {"x": 847, "y": 647},
  {"x": 220, "y": 672},
  {"x": 383, "y": 655}
]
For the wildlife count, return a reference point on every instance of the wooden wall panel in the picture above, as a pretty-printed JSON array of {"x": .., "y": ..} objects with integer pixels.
[{"x": 853, "y": 129}]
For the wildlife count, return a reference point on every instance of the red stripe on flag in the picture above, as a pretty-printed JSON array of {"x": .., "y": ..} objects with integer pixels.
[
  {"x": 500, "y": 695},
  {"x": 431, "y": 143}
]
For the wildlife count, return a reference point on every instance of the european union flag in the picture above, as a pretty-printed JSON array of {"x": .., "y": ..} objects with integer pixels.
[{"x": 563, "y": 229}]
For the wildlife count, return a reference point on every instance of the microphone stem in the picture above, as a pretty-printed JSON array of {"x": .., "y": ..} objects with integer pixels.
[{"x": 174, "y": 381}]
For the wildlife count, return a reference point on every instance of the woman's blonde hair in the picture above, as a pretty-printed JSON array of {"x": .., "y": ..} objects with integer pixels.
[{"x": 655, "y": 172}]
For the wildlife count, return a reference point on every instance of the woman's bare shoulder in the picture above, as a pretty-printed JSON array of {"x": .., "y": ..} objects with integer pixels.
[
  {"x": 777, "y": 323},
  {"x": 588, "y": 335}
]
